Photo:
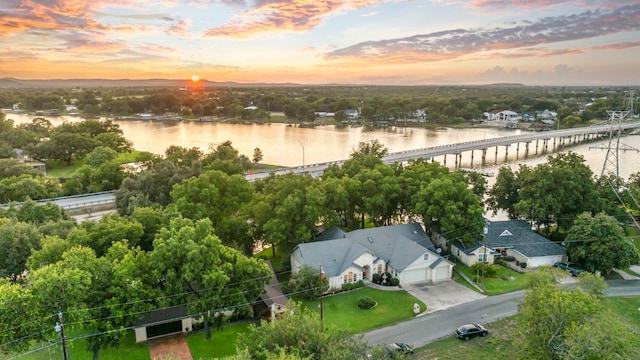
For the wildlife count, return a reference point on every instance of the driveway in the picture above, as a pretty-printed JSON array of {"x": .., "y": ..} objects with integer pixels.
[{"x": 442, "y": 295}]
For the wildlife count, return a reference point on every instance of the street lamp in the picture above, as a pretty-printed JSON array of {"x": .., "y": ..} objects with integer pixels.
[
  {"x": 59, "y": 328},
  {"x": 301, "y": 145}
]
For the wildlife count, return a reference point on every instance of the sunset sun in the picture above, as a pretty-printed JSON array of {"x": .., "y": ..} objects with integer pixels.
[{"x": 195, "y": 78}]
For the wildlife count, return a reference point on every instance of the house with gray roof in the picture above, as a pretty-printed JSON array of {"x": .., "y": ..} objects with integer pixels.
[
  {"x": 510, "y": 238},
  {"x": 403, "y": 250}
]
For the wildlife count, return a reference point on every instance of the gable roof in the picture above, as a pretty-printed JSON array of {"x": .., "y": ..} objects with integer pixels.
[
  {"x": 398, "y": 245},
  {"x": 518, "y": 235}
]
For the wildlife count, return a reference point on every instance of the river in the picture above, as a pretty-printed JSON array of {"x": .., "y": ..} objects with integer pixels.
[{"x": 293, "y": 146}]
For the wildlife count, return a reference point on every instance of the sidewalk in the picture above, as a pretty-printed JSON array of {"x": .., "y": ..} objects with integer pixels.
[
  {"x": 625, "y": 275},
  {"x": 172, "y": 347}
]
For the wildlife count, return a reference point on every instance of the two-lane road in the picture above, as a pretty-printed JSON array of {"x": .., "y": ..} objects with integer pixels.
[{"x": 426, "y": 329}]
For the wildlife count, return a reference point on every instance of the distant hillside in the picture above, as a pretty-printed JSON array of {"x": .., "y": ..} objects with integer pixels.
[{"x": 12, "y": 83}]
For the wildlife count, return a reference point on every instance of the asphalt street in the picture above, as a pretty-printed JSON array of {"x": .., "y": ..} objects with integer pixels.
[{"x": 425, "y": 329}]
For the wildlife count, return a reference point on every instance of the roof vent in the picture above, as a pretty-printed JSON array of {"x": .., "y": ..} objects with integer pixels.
[
  {"x": 415, "y": 232},
  {"x": 506, "y": 233},
  {"x": 370, "y": 239}
]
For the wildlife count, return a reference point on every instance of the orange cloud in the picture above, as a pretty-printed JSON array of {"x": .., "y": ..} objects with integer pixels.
[{"x": 289, "y": 16}]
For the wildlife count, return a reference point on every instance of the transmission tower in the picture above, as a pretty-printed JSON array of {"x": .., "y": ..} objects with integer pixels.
[{"x": 611, "y": 167}]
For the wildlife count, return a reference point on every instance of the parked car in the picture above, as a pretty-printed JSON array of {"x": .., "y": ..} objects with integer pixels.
[
  {"x": 398, "y": 347},
  {"x": 468, "y": 331},
  {"x": 573, "y": 269}
]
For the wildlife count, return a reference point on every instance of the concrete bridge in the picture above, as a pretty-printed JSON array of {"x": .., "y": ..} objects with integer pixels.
[{"x": 534, "y": 143}]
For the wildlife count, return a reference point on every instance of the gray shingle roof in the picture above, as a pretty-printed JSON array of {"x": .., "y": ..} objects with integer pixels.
[
  {"x": 398, "y": 245},
  {"x": 518, "y": 235}
]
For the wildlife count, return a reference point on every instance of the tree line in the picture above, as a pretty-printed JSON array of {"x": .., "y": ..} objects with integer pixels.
[{"x": 444, "y": 104}]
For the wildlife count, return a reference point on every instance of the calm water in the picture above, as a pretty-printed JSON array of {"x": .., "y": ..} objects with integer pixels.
[{"x": 291, "y": 146}]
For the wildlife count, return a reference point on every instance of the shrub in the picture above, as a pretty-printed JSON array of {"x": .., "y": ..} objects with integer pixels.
[
  {"x": 501, "y": 262},
  {"x": 377, "y": 278},
  {"x": 509, "y": 258},
  {"x": 523, "y": 265},
  {"x": 394, "y": 282},
  {"x": 488, "y": 270},
  {"x": 365, "y": 303}
]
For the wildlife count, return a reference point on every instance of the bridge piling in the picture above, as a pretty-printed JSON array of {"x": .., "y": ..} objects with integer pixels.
[
  {"x": 484, "y": 157},
  {"x": 526, "y": 150}
]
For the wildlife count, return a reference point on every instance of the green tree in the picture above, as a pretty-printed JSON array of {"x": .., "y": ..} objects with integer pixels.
[
  {"x": 449, "y": 204},
  {"x": 307, "y": 283},
  {"x": 257, "y": 155},
  {"x": 218, "y": 197},
  {"x": 18, "y": 331},
  {"x": 191, "y": 260},
  {"x": 13, "y": 168},
  {"x": 600, "y": 243},
  {"x": 17, "y": 240},
  {"x": 100, "y": 155},
  {"x": 300, "y": 333},
  {"x": 503, "y": 195},
  {"x": 562, "y": 323},
  {"x": 297, "y": 204}
]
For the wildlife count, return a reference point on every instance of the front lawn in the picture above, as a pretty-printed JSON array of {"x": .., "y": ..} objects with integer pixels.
[
  {"x": 222, "y": 343},
  {"x": 77, "y": 350},
  {"x": 506, "y": 280},
  {"x": 340, "y": 310}
]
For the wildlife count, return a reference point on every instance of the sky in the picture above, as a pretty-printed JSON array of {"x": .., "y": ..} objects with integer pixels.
[{"x": 315, "y": 42}]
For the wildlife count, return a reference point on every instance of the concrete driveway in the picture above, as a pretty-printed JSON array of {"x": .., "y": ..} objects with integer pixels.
[{"x": 441, "y": 295}]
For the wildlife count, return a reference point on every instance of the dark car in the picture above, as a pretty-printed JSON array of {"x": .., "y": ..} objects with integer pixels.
[
  {"x": 391, "y": 350},
  {"x": 571, "y": 268},
  {"x": 468, "y": 331}
]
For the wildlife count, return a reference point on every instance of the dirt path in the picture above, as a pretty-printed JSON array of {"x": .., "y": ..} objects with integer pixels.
[{"x": 173, "y": 347}]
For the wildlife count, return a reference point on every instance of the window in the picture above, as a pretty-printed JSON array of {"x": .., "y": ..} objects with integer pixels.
[
  {"x": 425, "y": 257},
  {"x": 350, "y": 276},
  {"x": 482, "y": 257},
  {"x": 344, "y": 279},
  {"x": 379, "y": 268}
]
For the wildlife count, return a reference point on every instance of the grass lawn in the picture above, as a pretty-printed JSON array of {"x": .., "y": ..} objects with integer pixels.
[
  {"x": 501, "y": 344},
  {"x": 340, "y": 310},
  {"x": 634, "y": 234},
  {"x": 507, "y": 280},
  {"x": 222, "y": 343},
  {"x": 57, "y": 169},
  {"x": 128, "y": 349}
]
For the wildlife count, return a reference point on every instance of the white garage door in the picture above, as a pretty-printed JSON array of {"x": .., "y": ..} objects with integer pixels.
[
  {"x": 411, "y": 276},
  {"x": 539, "y": 261},
  {"x": 442, "y": 273}
]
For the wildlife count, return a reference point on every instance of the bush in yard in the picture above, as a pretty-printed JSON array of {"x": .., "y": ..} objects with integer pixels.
[
  {"x": 523, "y": 265},
  {"x": 366, "y": 303},
  {"x": 488, "y": 270},
  {"x": 501, "y": 262},
  {"x": 509, "y": 258},
  {"x": 394, "y": 282},
  {"x": 377, "y": 278}
]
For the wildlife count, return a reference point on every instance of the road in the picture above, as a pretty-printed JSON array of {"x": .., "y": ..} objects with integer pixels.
[{"x": 423, "y": 330}]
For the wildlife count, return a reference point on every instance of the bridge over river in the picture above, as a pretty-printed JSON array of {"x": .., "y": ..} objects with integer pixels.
[{"x": 534, "y": 143}]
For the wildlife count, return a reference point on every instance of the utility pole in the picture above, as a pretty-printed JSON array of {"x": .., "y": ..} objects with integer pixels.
[
  {"x": 321, "y": 292},
  {"x": 59, "y": 328}
]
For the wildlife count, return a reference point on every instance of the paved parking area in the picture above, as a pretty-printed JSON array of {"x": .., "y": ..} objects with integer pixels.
[{"x": 442, "y": 295}]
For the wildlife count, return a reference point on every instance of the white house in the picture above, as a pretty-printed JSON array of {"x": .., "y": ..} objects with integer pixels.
[
  {"x": 510, "y": 238},
  {"x": 403, "y": 250},
  {"x": 352, "y": 114}
]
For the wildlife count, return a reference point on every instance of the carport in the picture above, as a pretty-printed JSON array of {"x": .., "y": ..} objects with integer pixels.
[{"x": 162, "y": 322}]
